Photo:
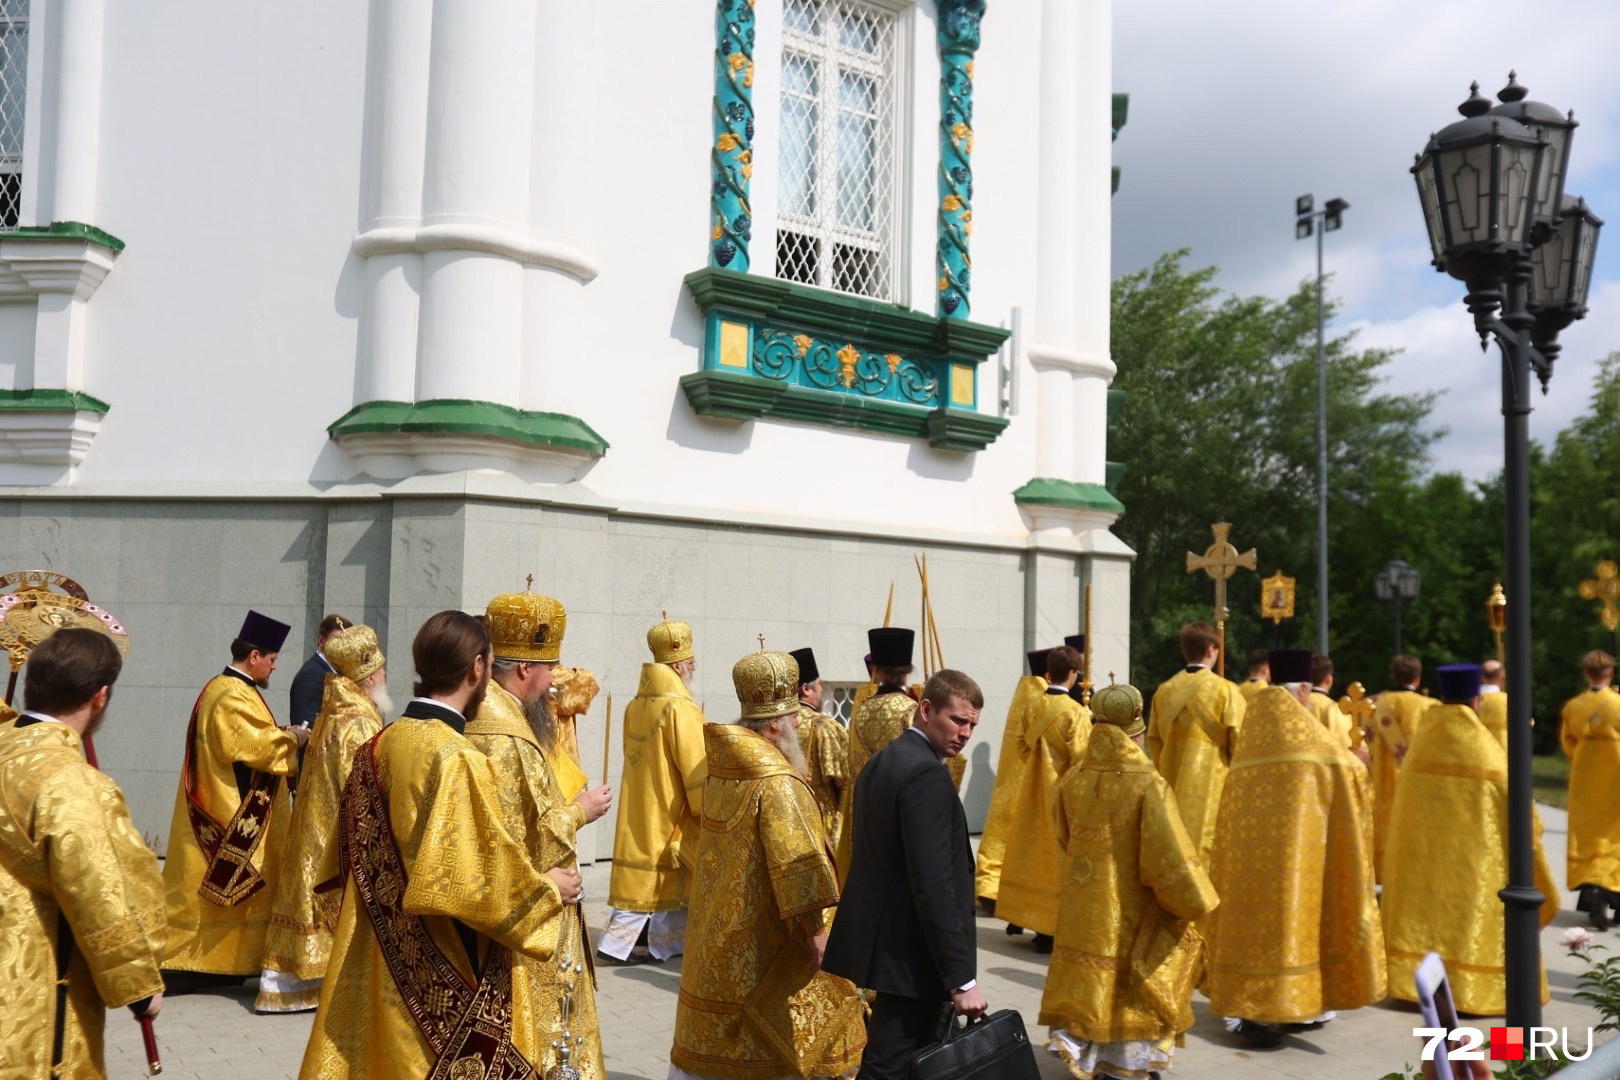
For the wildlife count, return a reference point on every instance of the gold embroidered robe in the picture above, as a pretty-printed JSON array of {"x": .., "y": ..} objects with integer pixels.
[
  {"x": 1053, "y": 739},
  {"x": 1297, "y": 933},
  {"x": 999, "y": 823},
  {"x": 461, "y": 866},
  {"x": 660, "y": 794},
  {"x": 1333, "y": 719},
  {"x": 68, "y": 848},
  {"x": 1447, "y": 860},
  {"x": 299, "y": 939},
  {"x": 1590, "y": 733},
  {"x": 1126, "y": 954},
  {"x": 1493, "y": 714},
  {"x": 877, "y": 723},
  {"x": 1195, "y": 719},
  {"x": 1394, "y": 723},
  {"x": 1250, "y": 687},
  {"x": 234, "y": 727},
  {"x": 826, "y": 752},
  {"x": 545, "y": 821},
  {"x": 749, "y": 1006}
]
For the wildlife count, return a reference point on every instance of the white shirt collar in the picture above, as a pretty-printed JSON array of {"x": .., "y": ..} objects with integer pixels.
[
  {"x": 41, "y": 716},
  {"x": 1489, "y": 688}
]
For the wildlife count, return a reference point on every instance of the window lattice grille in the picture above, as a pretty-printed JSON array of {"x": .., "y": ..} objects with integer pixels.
[
  {"x": 13, "y": 101},
  {"x": 838, "y": 700},
  {"x": 835, "y": 221}
]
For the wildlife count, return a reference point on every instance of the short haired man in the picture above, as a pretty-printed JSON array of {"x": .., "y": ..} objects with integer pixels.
[
  {"x": 309, "y": 685},
  {"x": 1493, "y": 699},
  {"x": 1590, "y": 733},
  {"x": 1259, "y": 674},
  {"x": 81, "y": 899},
  {"x": 905, "y": 926},
  {"x": 1195, "y": 719},
  {"x": 1395, "y": 722},
  {"x": 825, "y": 745},
  {"x": 879, "y": 719},
  {"x": 1321, "y": 703}
]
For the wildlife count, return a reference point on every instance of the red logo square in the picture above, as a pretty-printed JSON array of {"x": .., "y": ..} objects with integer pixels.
[{"x": 1507, "y": 1044}]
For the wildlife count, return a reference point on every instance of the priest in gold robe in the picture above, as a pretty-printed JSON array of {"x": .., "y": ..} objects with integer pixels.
[
  {"x": 754, "y": 1004},
  {"x": 438, "y": 895},
  {"x": 299, "y": 941},
  {"x": 572, "y": 691},
  {"x": 1590, "y": 732},
  {"x": 998, "y": 822},
  {"x": 553, "y": 1001},
  {"x": 1118, "y": 993},
  {"x": 228, "y": 834},
  {"x": 1321, "y": 703},
  {"x": 71, "y": 863},
  {"x": 1394, "y": 724},
  {"x": 660, "y": 808},
  {"x": 1446, "y": 860},
  {"x": 1297, "y": 935},
  {"x": 825, "y": 745},
  {"x": 1259, "y": 674},
  {"x": 1194, "y": 723},
  {"x": 1051, "y": 741},
  {"x": 1493, "y": 699},
  {"x": 877, "y": 721}
]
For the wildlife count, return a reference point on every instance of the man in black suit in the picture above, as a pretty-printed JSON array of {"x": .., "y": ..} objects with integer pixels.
[
  {"x": 309, "y": 685},
  {"x": 905, "y": 926}
]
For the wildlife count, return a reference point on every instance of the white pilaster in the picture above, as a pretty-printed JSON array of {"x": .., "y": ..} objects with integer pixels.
[
  {"x": 74, "y": 81},
  {"x": 1092, "y": 64}
]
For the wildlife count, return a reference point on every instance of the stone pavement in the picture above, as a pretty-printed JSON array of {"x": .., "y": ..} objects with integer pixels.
[{"x": 217, "y": 1036}]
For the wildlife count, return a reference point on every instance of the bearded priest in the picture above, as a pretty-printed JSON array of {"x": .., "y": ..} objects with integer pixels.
[
  {"x": 754, "y": 1002},
  {"x": 877, "y": 721},
  {"x": 1191, "y": 731},
  {"x": 999, "y": 823},
  {"x": 515, "y": 729},
  {"x": 299, "y": 942}
]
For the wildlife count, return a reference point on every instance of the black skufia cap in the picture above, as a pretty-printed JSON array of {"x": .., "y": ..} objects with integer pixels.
[
  {"x": 808, "y": 672},
  {"x": 891, "y": 646}
]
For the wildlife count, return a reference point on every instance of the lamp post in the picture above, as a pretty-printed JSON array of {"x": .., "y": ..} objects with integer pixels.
[
  {"x": 1305, "y": 223},
  {"x": 1398, "y": 585},
  {"x": 1492, "y": 190}
]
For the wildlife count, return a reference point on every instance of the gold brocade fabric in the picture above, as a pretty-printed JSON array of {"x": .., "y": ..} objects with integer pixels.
[
  {"x": 461, "y": 866},
  {"x": 1493, "y": 713},
  {"x": 545, "y": 821},
  {"x": 1053, "y": 739},
  {"x": 826, "y": 752},
  {"x": 1195, "y": 720},
  {"x": 234, "y": 726},
  {"x": 1126, "y": 954},
  {"x": 301, "y": 920},
  {"x": 68, "y": 847},
  {"x": 1250, "y": 687},
  {"x": 1394, "y": 723},
  {"x": 999, "y": 822},
  {"x": 1333, "y": 719},
  {"x": 1447, "y": 860},
  {"x": 660, "y": 794},
  {"x": 875, "y": 724},
  {"x": 1590, "y": 733},
  {"x": 749, "y": 1005},
  {"x": 1297, "y": 933}
]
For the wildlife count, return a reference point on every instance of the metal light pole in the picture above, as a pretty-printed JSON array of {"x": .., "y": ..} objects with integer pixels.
[
  {"x": 1492, "y": 190},
  {"x": 1332, "y": 215},
  {"x": 1397, "y": 586}
]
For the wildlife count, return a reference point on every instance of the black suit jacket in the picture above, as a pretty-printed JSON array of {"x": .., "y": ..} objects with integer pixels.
[
  {"x": 905, "y": 922},
  {"x": 308, "y": 687}
]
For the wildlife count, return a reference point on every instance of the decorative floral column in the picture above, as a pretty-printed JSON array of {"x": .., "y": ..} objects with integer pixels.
[
  {"x": 732, "y": 156},
  {"x": 958, "y": 41}
]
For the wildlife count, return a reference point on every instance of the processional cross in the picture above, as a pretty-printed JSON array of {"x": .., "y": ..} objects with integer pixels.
[
  {"x": 1605, "y": 587},
  {"x": 1220, "y": 562},
  {"x": 1359, "y": 708}
]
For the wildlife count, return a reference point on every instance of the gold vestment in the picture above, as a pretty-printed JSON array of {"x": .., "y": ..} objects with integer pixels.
[
  {"x": 1493, "y": 713},
  {"x": 1332, "y": 718},
  {"x": 1297, "y": 933},
  {"x": 1196, "y": 717},
  {"x": 68, "y": 849},
  {"x": 299, "y": 940},
  {"x": 1590, "y": 733},
  {"x": 1446, "y": 860},
  {"x": 1126, "y": 954},
  {"x": 877, "y": 723},
  {"x": 544, "y": 820},
  {"x": 749, "y": 1005},
  {"x": 660, "y": 794},
  {"x": 1394, "y": 723},
  {"x": 999, "y": 823},
  {"x": 234, "y": 727},
  {"x": 463, "y": 870},
  {"x": 1250, "y": 687},
  {"x": 1052, "y": 740},
  {"x": 826, "y": 752}
]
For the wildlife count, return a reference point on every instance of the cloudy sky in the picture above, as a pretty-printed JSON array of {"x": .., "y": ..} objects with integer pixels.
[{"x": 1237, "y": 107}]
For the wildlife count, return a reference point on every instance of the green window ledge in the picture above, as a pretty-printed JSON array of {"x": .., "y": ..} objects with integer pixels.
[
  {"x": 51, "y": 401},
  {"x": 66, "y": 230},
  {"x": 459, "y": 417},
  {"x": 1047, "y": 491}
]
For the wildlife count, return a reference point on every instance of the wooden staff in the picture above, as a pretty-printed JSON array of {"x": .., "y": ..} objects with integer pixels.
[
  {"x": 888, "y": 609},
  {"x": 1085, "y": 678},
  {"x": 154, "y": 1064},
  {"x": 607, "y": 739}
]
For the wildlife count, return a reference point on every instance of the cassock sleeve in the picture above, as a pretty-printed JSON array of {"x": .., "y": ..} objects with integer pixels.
[
  {"x": 831, "y": 747},
  {"x": 1231, "y": 720},
  {"x": 923, "y": 805},
  {"x": 1155, "y": 740},
  {"x": 685, "y": 734},
  {"x": 560, "y": 819},
  {"x": 802, "y": 879},
  {"x": 249, "y": 736},
  {"x": 1169, "y": 861},
  {"x": 1568, "y": 735},
  {"x": 106, "y": 883}
]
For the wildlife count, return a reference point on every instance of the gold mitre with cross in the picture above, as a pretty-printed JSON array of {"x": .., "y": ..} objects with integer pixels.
[
  {"x": 526, "y": 627},
  {"x": 670, "y": 641},
  {"x": 1119, "y": 704},
  {"x": 354, "y": 652},
  {"x": 767, "y": 685}
]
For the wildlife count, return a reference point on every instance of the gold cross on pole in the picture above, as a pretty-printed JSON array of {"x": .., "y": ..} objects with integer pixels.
[
  {"x": 1220, "y": 561},
  {"x": 1605, "y": 587},
  {"x": 1359, "y": 708}
]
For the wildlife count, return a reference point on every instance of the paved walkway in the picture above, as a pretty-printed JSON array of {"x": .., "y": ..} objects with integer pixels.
[{"x": 217, "y": 1036}]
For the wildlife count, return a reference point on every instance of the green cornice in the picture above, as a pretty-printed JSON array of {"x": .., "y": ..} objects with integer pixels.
[
  {"x": 51, "y": 401},
  {"x": 66, "y": 230},
  {"x": 743, "y": 397},
  {"x": 1047, "y": 491},
  {"x": 455, "y": 416}
]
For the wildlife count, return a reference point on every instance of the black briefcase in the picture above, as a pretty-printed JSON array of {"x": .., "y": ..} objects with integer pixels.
[{"x": 994, "y": 1047}]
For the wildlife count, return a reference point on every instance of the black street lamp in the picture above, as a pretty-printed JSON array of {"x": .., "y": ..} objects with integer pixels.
[
  {"x": 1398, "y": 585},
  {"x": 1492, "y": 189}
]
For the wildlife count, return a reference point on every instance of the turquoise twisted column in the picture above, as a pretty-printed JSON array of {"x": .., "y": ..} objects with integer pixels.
[
  {"x": 958, "y": 41},
  {"x": 732, "y": 155}
]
